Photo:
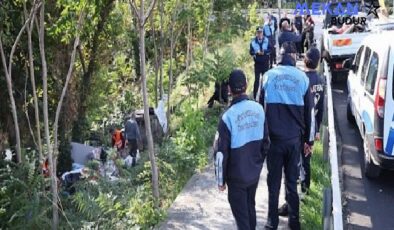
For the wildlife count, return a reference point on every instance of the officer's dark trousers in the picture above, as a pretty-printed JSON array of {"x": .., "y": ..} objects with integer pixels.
[
  {"x": 133, "y": 146},
  {"x": 283, "y": 155},
  {"x": 243, "y": 205},
  {"x": 259, "y": 70},
  {"x": 306, "y": 164}
]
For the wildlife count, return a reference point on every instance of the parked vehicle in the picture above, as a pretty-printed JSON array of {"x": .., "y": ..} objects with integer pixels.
[
  {"x": 371, "y": 100},
  {"x": 337, "y": 46}
]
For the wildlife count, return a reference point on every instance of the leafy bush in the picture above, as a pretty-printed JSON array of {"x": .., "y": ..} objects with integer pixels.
[{"x": 24, "y": 196}]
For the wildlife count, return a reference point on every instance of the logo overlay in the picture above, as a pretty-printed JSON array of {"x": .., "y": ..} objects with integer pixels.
[{"x": 341, "y": 12}]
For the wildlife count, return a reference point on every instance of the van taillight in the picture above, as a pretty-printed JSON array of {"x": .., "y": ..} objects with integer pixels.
[
  {"x": 380, "y": 96},
  {"x": 379, "y": 144}
]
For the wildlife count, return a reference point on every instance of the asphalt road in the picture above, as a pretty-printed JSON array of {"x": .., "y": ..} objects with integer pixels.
[{"x": 368, "y": 204}]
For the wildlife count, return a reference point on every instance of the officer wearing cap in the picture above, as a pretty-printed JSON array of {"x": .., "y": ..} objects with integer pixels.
[
  {"x": 285, "y": 92},
  {"x": 316, "y": 85},
  {"x": 259, "y": 50},
  {"x": 241, "y": 145}
]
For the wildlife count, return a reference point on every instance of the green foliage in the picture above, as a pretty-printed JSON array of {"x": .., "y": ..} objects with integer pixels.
[
  {"x": 312, "y": 205},
  {"x": 253, "y": 21},
  {"x": 24, "y": 198}
]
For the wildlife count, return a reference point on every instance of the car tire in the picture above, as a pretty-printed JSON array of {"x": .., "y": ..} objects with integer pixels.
[
  {"x": 371, "y": 170},
  {"x": 349, "y": 114}
]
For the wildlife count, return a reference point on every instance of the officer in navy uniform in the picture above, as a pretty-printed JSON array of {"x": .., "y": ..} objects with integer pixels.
[
  {"x": 268, "y": 32},
  {"x": 285, "y": 92},
  {"x": 316, "y": 84},
  {"x": 259, "y": 50},
  {"x": 241, "y": 146}
]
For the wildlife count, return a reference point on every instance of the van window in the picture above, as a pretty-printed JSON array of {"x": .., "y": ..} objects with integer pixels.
[
  {"x": 357, "y": 60},
  {"x": 365, "y": 64},
  {"x": 372, "y": 73}
]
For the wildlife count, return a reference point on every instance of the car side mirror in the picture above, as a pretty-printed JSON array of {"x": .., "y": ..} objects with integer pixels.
[{"x": 348, "y": 64}]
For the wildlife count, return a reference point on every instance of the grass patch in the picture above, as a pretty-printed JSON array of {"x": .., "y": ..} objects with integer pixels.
[{"x": 312, "y": 205}]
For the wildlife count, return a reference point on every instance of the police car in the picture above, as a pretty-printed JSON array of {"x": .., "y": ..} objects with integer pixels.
[{"x": 371, "y": 100}]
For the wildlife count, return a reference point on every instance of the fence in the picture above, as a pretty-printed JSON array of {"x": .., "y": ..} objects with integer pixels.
[{"x": 332, "y": 213}]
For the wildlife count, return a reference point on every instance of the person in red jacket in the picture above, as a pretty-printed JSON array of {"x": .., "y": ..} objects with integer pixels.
[{"x": 118, "y": 140}]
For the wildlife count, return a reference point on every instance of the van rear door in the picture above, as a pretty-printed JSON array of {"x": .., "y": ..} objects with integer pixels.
[{"x": 388, "y": 134}]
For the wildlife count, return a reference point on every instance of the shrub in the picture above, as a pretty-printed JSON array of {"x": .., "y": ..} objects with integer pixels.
[{"x": 24, "y": 198}]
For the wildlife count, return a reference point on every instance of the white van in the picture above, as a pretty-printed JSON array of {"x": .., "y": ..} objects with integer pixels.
[{"x": 371, "y": 100}]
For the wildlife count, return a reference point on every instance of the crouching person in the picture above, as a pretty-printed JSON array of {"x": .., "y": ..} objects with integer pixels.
[{"x": 242, "y": 143}]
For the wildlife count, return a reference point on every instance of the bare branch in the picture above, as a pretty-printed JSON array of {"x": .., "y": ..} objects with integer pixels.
[
  {"x": 27, "y": 111},
  {"x": 150, "y": 10},
  {"x": 135, "y": 10},
  {"x": 34, "y": 9}
]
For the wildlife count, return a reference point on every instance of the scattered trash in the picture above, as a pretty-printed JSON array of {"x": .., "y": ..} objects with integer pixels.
[
  {"x": 8, "y": 155},
  {"x": 129, "y": 161}
]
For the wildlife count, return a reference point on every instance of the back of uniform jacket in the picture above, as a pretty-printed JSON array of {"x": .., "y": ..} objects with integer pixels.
[
  {"x": 289, "y": 104},
  {"x": 242, "y": 143},
  {"x": 316, "y": 84}
]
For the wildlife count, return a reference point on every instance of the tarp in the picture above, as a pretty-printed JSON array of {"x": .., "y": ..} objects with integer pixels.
[
  {"x": 160, "y": 112},
  {"x": 81, "y": 153}
]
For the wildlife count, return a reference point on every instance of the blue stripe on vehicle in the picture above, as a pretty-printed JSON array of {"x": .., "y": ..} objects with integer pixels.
[
  {"x": 367, "y": 122},
  {"x": 245, "y": 121},
  {"x": 389, "y": 150},
  {"x": 286, "y": 85}
]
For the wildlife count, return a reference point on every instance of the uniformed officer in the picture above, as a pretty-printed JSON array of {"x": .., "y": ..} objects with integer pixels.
[
  {"x": 242, "y": 142},
  {"x": 316, "y": 84},
  {"x": 259, "y": 50},
  {"x": 268, "y": 32},
  {"x": 285, "y": 92}
]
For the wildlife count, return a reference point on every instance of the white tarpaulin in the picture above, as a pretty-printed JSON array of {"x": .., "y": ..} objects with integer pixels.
[{"x": 160, "y": 112}]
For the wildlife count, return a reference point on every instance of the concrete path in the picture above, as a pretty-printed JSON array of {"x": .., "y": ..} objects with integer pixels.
[{"x": 200, "y": 205}]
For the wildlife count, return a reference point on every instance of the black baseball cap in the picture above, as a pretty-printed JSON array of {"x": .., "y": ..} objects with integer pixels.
[
  {"x": 237, "y": 81},
  {"x": 312, "y": 58}
]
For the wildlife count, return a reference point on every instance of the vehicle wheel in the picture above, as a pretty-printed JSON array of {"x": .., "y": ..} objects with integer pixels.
[
  {"x": 370, "y": 169},
  {"x": 349, "y": 114}
]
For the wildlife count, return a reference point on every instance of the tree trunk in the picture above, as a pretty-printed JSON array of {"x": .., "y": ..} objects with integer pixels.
[
  {"x": 170, "y": 83},
  {"x": 8, "y": 76},
  {"x": 87, "y": 76},
  {"x": 65, "y": 87},
  {"x": 161, "y": 49},
  {"x": 29, "y": 29},
  {"x": 141, "y": 29},
  {"x": 156, "y": 61},
  {"x": 13, "y": 105},
  {"x": 205, "y": 49},
  {"x": 52, "y": 166}
]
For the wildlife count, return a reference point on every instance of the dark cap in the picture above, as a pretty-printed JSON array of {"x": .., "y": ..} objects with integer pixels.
[
  {"x": 288, "y": 48},
  {"x": 259, "y": 29},
  {"x": 237, "y": 81},
  {"x": 312, "y": 58}
]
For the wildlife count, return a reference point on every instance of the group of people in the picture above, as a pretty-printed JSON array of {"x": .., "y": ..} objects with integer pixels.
[
  {"x": 130, "y": 136},
  {"x": 279, "y": 124}
]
